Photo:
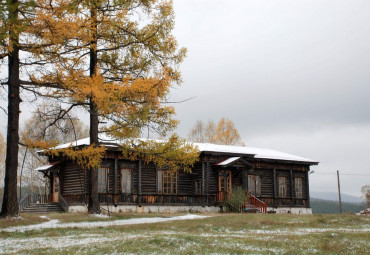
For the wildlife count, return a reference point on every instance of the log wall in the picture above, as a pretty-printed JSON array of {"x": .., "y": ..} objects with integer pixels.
[{"x": 73, "y": 181}]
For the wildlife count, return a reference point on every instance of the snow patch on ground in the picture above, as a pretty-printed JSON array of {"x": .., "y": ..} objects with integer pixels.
[
  {"x": 58, "y": 224},
  {"x": 24, "y": 245}
]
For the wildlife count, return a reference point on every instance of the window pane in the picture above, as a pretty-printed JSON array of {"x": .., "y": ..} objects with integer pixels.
[
  {"x": 282, "y": 186},
  {"x": 252, "y": 184},
  {"x": 258, "y": 186},
  {"x": 159, "y": 181},
  {"x": 102, "y": 179},
  {"x": 126, "y": 180},
  {"x": 168, "y": 182},
  {"x": 298, "y": 188}
]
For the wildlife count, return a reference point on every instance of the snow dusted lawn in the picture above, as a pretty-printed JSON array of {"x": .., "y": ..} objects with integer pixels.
[
  {"x": 95, "y": 224},
  {"x": 192, "y": 234}
]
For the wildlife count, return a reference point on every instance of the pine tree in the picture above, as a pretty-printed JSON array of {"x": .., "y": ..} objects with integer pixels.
[{"x": 117, "y": 60}]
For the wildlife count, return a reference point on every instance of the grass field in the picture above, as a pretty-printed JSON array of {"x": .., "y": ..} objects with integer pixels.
[{"x": 217, "y": 234}]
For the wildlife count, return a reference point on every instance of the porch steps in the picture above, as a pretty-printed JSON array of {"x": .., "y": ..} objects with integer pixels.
[
  {"x": 43, "y": 208},
  {"x": 249, "y": 208}
]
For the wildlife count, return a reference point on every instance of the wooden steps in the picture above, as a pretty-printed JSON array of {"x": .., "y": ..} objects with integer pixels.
[
  {"x": 249, "y": 208},
  {"x": 43, "y": 208}
]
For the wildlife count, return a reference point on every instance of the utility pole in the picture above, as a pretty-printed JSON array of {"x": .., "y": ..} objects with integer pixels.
[{"x": 340, "y": 200}]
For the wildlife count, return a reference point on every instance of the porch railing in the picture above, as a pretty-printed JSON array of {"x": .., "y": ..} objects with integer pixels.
[
  {"x": 62, "y": 202},
  {"x": 262, "y": 206},
  {"x": 24, "y": 202},
  {"x": 156, "y": 199},
  {"x": 33, "y": 199},
  {"x": 224, "y": 196}
]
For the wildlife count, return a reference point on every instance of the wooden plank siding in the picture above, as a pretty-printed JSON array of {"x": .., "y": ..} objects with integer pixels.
[{"x": 74, "y": 181}]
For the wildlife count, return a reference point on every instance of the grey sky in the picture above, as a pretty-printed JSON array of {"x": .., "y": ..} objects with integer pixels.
[{"x": 292, "y": 75}]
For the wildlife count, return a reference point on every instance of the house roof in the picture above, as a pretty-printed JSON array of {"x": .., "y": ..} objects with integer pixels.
[{"x": 258, "y": 153}]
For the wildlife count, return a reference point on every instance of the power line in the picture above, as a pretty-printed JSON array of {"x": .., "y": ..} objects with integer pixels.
[{"x": 343, "y": 174}]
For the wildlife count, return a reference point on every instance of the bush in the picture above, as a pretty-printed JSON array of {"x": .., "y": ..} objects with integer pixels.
[{"x": 237, "y": 199}]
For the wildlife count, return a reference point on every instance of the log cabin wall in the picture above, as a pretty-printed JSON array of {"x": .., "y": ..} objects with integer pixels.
[
  {"x": 148, "y": 179},
  {"x": 73, "y": 181}
]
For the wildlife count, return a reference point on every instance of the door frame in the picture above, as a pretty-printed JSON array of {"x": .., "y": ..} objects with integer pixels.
[
  {"x": 56, "y": 189},
  {"x": 222, "y": 185}
]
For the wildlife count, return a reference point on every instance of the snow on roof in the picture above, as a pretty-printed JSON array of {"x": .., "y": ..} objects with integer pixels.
[
  {"x": 259, "y": 153},
  {"x": 46, "y": 167},
  {"x": 227, "y": 161}
]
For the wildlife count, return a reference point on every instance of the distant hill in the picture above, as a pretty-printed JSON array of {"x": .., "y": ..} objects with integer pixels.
[
  {"x": 329, "y": 206},
  {"x": 334, "y": 197}
]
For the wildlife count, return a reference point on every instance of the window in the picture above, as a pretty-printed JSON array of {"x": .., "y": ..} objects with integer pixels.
[
  {"x": 298, "y": 187},
  {"x": 254, "y": 185},
  {"x": 198, "y": 187},
  {"x": 166, "y": 182},
  {"x": 282, "y": 186},
  {"x": 103, "y": 179},
  {"x": 160, "y": 181},
  {"x": 126, "y": 180},
  {"x": 56, "y": 184}
]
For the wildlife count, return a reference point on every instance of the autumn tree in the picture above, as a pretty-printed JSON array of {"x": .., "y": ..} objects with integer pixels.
[
  {"x": 117, "y": 60},
  {"x": 224, "y": 133},
  {"x": 365, "y": 190},
  {"x": 19, "y": 52}
]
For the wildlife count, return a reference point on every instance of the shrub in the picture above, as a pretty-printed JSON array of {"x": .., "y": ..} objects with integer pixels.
[{"x": 237, "y": 199}]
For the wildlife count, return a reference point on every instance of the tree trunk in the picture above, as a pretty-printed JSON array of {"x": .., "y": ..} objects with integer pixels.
[
  {"x": 10, "y": 201},
  {"x": 93, "y": 206}
]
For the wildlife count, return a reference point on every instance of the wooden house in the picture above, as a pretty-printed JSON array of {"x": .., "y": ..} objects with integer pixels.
[{"x": 275, "y": 181}]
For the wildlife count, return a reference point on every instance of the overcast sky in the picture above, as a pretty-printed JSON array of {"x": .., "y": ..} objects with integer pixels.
[{"x": 293, "y": 76}]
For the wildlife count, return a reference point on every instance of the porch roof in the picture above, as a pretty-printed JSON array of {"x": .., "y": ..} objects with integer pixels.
[
  {"x": 47, "y": 167},
  {"x": 227, "y": 161}
]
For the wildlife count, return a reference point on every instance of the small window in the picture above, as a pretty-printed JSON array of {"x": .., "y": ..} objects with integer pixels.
[
  {"x": 56, "y": 184},
  {"x": 254, "y": 185},
  {"x": 160, "y": 181},
  {"x": 167, "y": 182},
  {"x": 282, "y": 186},
  {"x": 103, "y": 179},
  {"x": 126, "y": 180},
  {"x": 198, "y": 187},
  {"x": 298, "y": 188}
]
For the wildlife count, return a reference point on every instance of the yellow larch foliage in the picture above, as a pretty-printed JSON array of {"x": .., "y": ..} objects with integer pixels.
[
  {"x": 226, "y": 133},
  {"x": 174, "y": 153},
  {"x": 137, "y": 63},
  {"x": 87, "y": 157}
]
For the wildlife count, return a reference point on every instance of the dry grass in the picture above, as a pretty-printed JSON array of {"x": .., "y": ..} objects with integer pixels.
[{"x": 224, "y": 234}]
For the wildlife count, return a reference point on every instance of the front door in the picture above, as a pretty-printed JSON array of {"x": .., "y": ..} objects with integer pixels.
[
  {"x": 224, "y": 181},
  {"x": 55, "y": 189}
]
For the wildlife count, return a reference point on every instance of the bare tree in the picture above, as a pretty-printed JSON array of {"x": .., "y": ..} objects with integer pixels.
[
  {"x": 202, "y": 132},
  {"x": 44, "y": 126},
  {"x": 365, "y": 190}
]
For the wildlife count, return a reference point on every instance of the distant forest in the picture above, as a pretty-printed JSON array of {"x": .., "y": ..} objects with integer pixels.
[{"x": 329, "y": 206}]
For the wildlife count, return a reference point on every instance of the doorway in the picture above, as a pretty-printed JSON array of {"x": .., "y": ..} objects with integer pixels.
[
  {"x": 224, "y": 181},
  {"x": 56, "y": 187}
]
